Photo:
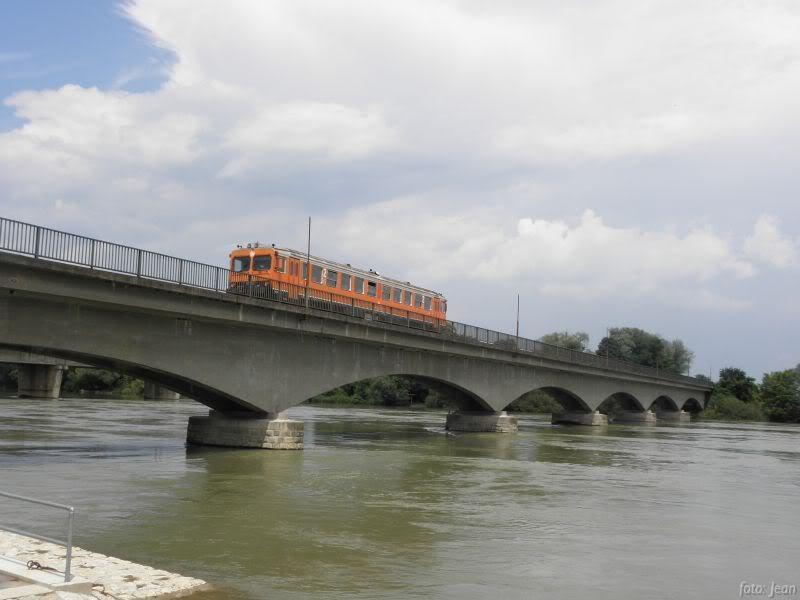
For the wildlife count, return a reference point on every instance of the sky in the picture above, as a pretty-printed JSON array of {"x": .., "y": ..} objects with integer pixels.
[{"x": 613, "y": 163}]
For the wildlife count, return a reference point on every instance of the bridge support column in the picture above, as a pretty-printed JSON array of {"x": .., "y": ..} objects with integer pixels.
[
  {"x": 498, "y": 422},
  {"x": 39, "y": 381},
  {"x": 644, "y": 417},
  {"x": 579, "y": 418},
  {"x": 674, "y": 416},
  {"x": 272, "y": 433},
  {"x": 155, "y": 391}
]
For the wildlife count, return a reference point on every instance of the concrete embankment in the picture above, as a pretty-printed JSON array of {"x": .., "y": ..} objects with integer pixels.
[{"x": 107, "y": 576}]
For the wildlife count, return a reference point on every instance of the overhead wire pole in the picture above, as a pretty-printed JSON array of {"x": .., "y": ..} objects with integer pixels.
[
  {"x": 308, "y": 260},
  {"x": 517, "y": 314}
]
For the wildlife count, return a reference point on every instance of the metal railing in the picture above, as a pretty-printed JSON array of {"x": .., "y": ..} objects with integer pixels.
[
  {"x": 66, "y": 543},
  {"x": 59, "y": 246}
]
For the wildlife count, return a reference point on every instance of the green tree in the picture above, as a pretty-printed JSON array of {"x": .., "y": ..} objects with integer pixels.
[
  {"x": 780, "y": 395},
  {"x": 704, "y": 378},
  {"x": 735, "y": 382},
  {"x": 636, "y": 345},
  {"x": 675, "y": 356},
  {"x": 573, "y": 341}
]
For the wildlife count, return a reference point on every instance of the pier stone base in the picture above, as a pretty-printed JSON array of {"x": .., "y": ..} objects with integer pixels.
[
  {"x": 644, "y": 417},
  {"x": 155, "y": 391},
  {"x": 217, "y": 429},
  {"x": 499, "y": 422},
  {"x": 674, "y": 416},
  {"x": 579, "y": 418},
  {"x": 39, "y": 381}
]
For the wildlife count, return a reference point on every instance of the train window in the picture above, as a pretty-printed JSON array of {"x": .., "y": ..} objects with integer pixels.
[
  {"x": 398, "y": 295},
  {"x": 241, "y": 263},
  {"x": 316, "y": 273},
  {"x": 427, "y": 302},
  {"x": 386, "y": 292},
  {"x": 372, "y": 288},
  {"x": 345, "y": 281},
  {"x": 418, "y": 300},
  {"x": 280, "y": 267},
  {"x": 332, "y": 280},
  {"x": 407, "y": 297},
  {"x": 305, "y": 270},
  {"x": 359, "y": 289},
  {"x": 262, "y": 262},
  {"x": 444, "y": 306}
]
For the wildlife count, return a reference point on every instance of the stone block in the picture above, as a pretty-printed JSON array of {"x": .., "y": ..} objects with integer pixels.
[
  {"x": 579, "y": 418},
  {"x": 499, "y": 422},
  {"x": 221, "y": 430}
]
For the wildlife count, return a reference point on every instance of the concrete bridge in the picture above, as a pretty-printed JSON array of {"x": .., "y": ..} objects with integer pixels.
[{"x": 249, "y": 359}]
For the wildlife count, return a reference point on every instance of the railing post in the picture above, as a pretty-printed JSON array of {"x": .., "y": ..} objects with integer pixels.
[
  {"x": 37, "y": 238},
  {"x": 249, "y": 285},
  {"x": 68, "y": 568},
  {"x": 138, "y": 263},
  {"x": 180, "y": 271},
  {"x": 91, "y": 255},
  {"x": 353, "y": 306}
]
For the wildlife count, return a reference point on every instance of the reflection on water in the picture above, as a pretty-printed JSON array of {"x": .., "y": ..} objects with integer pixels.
[{"x": 386, "y": 504}]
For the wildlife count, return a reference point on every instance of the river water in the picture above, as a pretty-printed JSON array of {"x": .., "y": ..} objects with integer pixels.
[{"x": 386, "y": 504}]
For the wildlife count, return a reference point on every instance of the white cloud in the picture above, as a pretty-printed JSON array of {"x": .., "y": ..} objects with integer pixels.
[
  {"x": 259, "y": 83},
  {"x": 586, "y": 259},
  {"x": 769, "y": 245},
  {"x": 330, "y": 132}
]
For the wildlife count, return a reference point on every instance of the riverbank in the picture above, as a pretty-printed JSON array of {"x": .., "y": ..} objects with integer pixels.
[{"x": 110, "y": 577}]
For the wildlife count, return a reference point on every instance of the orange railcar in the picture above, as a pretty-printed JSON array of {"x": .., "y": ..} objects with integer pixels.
[{"x": 282, "y": 274}]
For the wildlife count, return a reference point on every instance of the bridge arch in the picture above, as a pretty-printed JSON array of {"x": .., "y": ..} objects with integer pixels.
[
  {"x": 567, "y": 399},
  {"x": 664, "y": 403},
  {"x": 452, "y": 394},
  {"x": 195, "y": 390},
  {"x": 692, "y": 405},
  {"x": 621, "y": 401}
]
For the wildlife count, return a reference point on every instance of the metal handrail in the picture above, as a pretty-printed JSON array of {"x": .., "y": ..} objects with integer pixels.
[
  {"x": 59, "y": 246},
  {"x": 67, "y": 543}
]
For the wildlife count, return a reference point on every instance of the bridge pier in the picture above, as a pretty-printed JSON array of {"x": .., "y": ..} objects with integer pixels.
[
  {"x": 497, "y": 422},
  {"x": 642, "y": 417},
  {"x": 39, "y": 381},
  {"x": 237, "y": 431},
  {"x": 579, "y": 418},
  {"x": 156, "y": 391},
  {"x": 674, "y": 416}
]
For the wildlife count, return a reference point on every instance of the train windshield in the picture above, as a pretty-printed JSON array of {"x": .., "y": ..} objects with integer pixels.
[
  {"x": 241, "y": 263},
  {"x": 262, "y": 263}
]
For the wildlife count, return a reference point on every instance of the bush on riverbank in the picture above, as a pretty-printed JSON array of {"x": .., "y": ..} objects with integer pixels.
[
  {"x": 727, "y": 407},
  {"x": 82, "y": 380}
]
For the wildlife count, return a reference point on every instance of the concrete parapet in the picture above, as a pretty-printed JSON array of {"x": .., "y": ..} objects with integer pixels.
[
  {"x": 39, "y": 381},
  {"x": 156, "y": 391},
  {"x": 674, "y": 416},
  {"x": 497, "y": 422},
  {"x": 579, "y": 418},
  {"x": 218, "y": 429},
  {"x": 642, "y": 417}
]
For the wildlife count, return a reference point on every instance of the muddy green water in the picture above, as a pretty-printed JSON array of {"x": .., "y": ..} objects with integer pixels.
[{"x": 385, "y": 504}]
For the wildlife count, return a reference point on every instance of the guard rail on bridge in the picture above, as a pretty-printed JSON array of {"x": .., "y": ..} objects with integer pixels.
[{"x": 53, "y": 245}]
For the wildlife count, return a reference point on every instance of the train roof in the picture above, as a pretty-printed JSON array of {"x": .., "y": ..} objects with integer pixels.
[{"x": 302, "y": 256}]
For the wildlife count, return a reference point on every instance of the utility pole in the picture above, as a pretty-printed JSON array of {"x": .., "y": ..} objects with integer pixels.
[
  {"x": 518, "y": 314},
  {"x": 308, "y": 260}
]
